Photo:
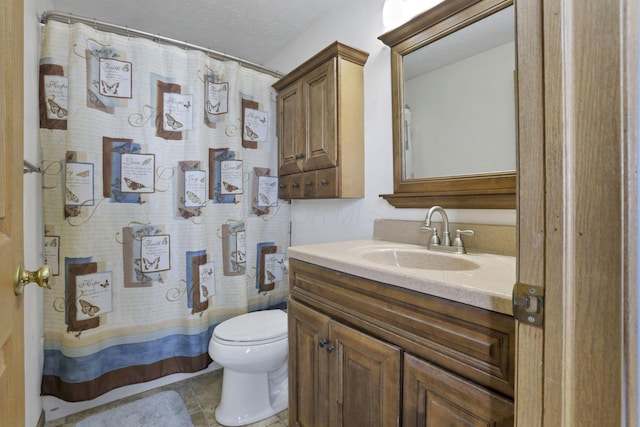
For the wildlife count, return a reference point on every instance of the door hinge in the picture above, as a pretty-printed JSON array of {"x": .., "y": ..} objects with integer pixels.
[{"x": 528, "y": 304}]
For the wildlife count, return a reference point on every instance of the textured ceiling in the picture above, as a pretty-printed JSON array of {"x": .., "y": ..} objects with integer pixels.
[{"x": 254, "y": 30}]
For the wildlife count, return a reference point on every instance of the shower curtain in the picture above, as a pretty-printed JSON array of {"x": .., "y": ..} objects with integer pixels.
[{"x": 160, "y": 206}]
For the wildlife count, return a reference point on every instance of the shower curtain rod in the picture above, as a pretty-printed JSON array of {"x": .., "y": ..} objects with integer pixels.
[{"x": 126, "y": 31}]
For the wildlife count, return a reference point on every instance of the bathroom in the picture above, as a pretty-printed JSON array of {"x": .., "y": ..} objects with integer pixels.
[{"x": 356, "y": 23}]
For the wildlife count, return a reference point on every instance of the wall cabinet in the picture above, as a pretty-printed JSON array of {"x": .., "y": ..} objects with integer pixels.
[
  {"x": 363, "y": 353},
  {"x": 321, "y": 126}
]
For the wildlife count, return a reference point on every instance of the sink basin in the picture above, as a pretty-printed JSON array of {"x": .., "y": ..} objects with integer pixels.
[{"x": 418, "y": 258}]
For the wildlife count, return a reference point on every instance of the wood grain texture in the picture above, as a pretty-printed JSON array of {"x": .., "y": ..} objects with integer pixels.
[
  {"x": 594, "y": 199},
  {"x": 321, "y": 126},
  {"x": 531, "y": 227},
  {"x": 434, "y": 397},
  {"x": 12, "y": 374},
  {"x": 350, "y": 113},
  {"x": 291, "y": 132},
  {"x": 308, "y": 366},
  {"x": 583, "y": 349},
  {"x": 364, "y": 385},
  {"x": 335, "y": 49},
  {"x": 319, "y": 105},
  {"x": 630, "y": 197},
  {"x": 355, "y": 382},
  {"x": 368, "y": 323}
]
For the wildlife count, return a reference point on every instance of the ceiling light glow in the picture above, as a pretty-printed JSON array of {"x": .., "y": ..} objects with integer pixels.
[{"x": 397, "y": 12}]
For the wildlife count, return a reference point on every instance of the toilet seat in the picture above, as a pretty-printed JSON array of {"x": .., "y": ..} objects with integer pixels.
[{"x": 258, "y": 327}]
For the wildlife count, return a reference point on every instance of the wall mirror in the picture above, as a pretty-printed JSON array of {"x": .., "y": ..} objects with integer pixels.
[{"x": 454, "y": 106}]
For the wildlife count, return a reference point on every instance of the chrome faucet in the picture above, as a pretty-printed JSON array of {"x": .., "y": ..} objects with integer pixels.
[
  {"x": 435, "y": 239},
  {"x": 435, "y": 244}
]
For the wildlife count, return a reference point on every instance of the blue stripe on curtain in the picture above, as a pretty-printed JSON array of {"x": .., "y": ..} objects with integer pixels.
[{"x": 87, "y": 368}]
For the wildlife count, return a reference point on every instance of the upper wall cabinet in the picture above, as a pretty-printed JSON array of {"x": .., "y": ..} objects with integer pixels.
[
  {"x": 453, "y": 81},
  {"x": 321, "y": 126}
]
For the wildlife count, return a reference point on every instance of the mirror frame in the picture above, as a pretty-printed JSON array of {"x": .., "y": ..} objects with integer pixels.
[{"x": 480, "y": 191}]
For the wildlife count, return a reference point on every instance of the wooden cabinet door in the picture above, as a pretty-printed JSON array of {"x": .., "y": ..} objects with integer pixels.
[
  {"x": 308, "y": 366},
  {"x": 319, "y": 105},
  {"x": 364, "y": 384},
  {"x": 291, "y": 151},
  {"x": 434, "y": 397}
]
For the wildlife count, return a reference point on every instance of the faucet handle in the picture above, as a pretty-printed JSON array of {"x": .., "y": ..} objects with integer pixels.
[
  {"x": 469, "y": 232},
  {"x": 435, "y": 239},
  {"x": 457, "y": 241}
]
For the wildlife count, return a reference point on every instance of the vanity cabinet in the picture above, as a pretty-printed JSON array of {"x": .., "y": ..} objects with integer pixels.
[
  {"x": 364, "y": 353},
  {"x": 321, "y": 126}
]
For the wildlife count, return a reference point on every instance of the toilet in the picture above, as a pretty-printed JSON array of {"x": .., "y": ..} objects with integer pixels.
[{"x": 252, "y": 349}]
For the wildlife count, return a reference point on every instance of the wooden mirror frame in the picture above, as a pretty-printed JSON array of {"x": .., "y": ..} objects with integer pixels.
[{"x": 493, "y": 190}]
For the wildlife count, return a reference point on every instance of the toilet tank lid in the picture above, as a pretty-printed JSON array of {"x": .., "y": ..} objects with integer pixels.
[{"x": 254, "y": 326}]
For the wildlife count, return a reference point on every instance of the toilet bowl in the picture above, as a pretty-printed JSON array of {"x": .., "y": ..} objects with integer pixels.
[{"x": 252, "y": 349}]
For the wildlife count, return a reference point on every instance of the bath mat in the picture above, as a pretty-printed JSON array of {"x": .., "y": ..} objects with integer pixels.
[{"x": 164, "y": 409}]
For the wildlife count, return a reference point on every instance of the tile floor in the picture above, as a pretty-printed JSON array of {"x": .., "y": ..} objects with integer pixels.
[{"x": 200, "y": 394}]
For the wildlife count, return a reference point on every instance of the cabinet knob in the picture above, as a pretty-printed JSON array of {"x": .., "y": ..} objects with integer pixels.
[
  {"x": 295, "y": 185},
  {"x": 307, "y": 183},
  {"x": 322, "y": 342},
  {"x": 330, "y": 348},
  {"x": 323, "y": 182},
  {"x": 300, "y": 156}
]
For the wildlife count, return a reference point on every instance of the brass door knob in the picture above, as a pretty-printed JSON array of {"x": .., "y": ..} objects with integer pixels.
[{"x": 23, "y": 277}]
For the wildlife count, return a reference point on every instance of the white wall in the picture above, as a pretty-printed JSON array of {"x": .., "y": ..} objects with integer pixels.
[{"x": 358, "y": 23}]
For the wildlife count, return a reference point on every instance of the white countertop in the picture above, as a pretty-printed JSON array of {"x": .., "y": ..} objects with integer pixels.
[{"x": 489, "y": 286}]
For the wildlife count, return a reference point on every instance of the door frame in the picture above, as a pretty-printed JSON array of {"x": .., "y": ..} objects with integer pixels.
[{"x": 577, "y": 211}]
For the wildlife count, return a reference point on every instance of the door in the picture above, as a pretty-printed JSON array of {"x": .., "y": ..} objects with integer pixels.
[
  {"x": 577, "y": 225},
  {"x": 339, "y": 376},
  {"x": 291, "y": 149},
  {"x": 308, "y": 366},
  {"x": 11, "y": 241},
  {"x": 321, "y": 116},
  {"x": 364, "y": 382},
  {"x": 433, "y": 397}
]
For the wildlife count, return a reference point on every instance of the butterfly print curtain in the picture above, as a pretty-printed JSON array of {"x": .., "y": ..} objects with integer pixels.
[{"x": 160, "y": 206}]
